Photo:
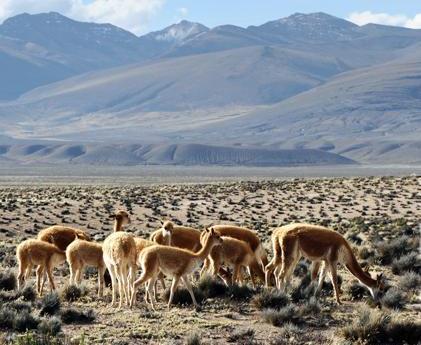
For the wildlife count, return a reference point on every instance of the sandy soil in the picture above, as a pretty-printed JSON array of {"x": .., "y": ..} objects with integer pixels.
[{"x": 369, "y": 207}]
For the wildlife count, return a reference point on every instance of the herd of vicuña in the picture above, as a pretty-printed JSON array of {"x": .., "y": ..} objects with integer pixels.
[{"x": 178, "y": 252}]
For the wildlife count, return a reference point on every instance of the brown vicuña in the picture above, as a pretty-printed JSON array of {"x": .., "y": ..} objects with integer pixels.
[
  {"x": 177, "y": 236},
  {"x": 246, "y": 235},
  {"x": 275, "y": 265},
  {"x": 318, "y": 244},
  {"x": 45, "y": 255},
  {"x": 173, "y": 262},
  {"x": 62, "y": 236},
  {"x": 119, "y": 253},
  {"x": 235, "y": 253},
  {"x": 81, "y": 253}
]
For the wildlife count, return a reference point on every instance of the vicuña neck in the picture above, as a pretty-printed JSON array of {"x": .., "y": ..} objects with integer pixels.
[
  {"x": 205, "y": 251},
  {"x": 118, "y": 225}
]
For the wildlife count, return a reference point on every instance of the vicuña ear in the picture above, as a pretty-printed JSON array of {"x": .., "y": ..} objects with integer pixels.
[
  {"x": 161, "y": 221},
  {"x": 212, "y": 231}
]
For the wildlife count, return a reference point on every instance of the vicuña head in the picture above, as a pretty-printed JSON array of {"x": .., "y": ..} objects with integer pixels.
[
  {"x": 167, "y": 228},
  {"x": 121, "y": 218}
]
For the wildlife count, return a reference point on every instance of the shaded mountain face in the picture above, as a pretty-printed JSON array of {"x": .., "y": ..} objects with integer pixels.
[{"x": 39, "y": 49}]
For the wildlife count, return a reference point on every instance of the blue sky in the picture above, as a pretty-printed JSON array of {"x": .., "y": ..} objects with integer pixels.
[
  {"x": 252, "y": 12},
  {"x": 142, "y": 16}
]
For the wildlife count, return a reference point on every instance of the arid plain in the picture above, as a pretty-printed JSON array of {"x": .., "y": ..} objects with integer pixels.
[{"x": 379, "y": 216}]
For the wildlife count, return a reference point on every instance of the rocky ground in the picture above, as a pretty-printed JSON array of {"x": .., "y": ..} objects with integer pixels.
[{"x": 380, "y": 216}]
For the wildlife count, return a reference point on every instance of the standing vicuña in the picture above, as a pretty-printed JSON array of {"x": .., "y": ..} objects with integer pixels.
[
  {"x": 173, "y": 262},
  {"x": 81, "y": 253},
  {"x": 119, "y": 253},
  {"x": 62, "y": 236},
  {"x": 46, "y": 256},
  {"x": 317, "y": 243}
]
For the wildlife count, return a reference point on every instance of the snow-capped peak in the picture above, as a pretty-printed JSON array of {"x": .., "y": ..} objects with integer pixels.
[{"x": 180, "y": 32}]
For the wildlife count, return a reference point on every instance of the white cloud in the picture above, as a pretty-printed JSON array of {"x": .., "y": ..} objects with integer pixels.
[
  {"x": 365, "y": 17},
  {"x": 183, "y": 11},
  {"x": 132, "y": 15}
]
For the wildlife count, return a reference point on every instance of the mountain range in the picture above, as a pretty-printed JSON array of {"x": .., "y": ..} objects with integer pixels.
[{"x": 305, "y": 85}]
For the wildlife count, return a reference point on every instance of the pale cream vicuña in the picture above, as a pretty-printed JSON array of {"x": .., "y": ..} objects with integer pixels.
[
  {"x": 81, "y": 253},
  {"x": 45, "y": 255}
]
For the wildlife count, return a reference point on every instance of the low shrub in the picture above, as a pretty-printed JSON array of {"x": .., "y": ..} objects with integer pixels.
[
  {"x": 28, "y": 293},
  {"x": 211, "y": 288},
  {"x": 272, "y": 299},
  {"x": 303, "y": 290},
  {"x": 51, "y": 326},
  {"x": 193, "y": 339},
  {"x": 182, "y": 296},
  {"x": 7, "y": 280},
  {"x": 357, "y": 291},
  {"x": 72, "y": 293},
  {"x": 73, "y": 315},
  {"x": 387, "y": 251},
  {"x": 301, "y": 269},
  {"x": 25, "y": 321},
  {"x": 393, "y": 299},
  {"x": 372, "y": 326},
  {"x": 242, "y": 337},
  {"x": 281, "y": 316},
  {"x": 405, "y": 263},
  {"x": 309, "y": 307},
  {"x": 240, "y": 292},
  {"x": 410, "y": 281},
  {"x": 50, "y": 304}
]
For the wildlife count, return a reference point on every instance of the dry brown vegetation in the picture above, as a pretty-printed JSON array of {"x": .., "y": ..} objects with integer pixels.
[{"x": 379, "y": 216}]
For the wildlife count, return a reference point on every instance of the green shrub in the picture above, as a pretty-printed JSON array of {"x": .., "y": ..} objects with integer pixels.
[{"x": 7, "y": 317}]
